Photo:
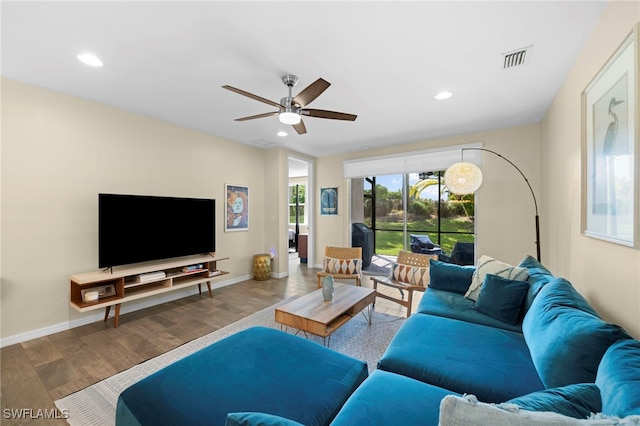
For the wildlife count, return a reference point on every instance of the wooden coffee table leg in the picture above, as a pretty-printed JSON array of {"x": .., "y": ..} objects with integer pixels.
[{"x": 106, "y": 313}]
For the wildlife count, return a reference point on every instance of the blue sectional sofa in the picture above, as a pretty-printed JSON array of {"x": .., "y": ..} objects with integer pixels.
[
  {"x": 554, "y": 354},
  {"x": 529, "y": 350}
]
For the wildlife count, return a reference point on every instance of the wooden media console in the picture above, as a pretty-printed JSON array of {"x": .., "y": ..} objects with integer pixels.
[{"x": 130, "y": 283}]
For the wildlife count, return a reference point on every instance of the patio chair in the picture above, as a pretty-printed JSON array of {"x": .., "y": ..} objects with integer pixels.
[
  {"x": 410, "y": 272},
  {"x": 342, "y": 263}
]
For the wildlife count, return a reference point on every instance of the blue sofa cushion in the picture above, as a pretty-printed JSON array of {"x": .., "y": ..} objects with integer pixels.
[
  {"x": 492, "y": 363},
  {"x": 619, "y": 379},
  {"x": 539, "y": 276},
  {"x": 566, "y": 343},
  {"x": 256, "y": 370},
  {"x": 450, "y": 277},
  {"x": 578, "y": 400},
  {"x": 456, "y": 306},
  {"x": 501, "y": 298},
  {"x": 560, "y": 292},
  {"x": 258, "y": 419},
  {"x": 391, "y": 399}
]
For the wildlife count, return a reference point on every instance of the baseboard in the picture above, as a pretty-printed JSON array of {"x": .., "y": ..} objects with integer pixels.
[
  {"x": 99, "y": 314},
  {"x": 279, "y": 274}
]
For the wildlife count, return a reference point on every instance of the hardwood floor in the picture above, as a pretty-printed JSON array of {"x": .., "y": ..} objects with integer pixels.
[{"x": 37, "y": 372}]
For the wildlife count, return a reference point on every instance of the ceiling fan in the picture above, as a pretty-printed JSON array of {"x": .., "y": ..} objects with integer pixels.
[{"x": 290, "y": 109}]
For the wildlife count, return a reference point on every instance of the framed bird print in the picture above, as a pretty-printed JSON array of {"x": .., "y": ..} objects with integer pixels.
[{"x": 610, "y": 148}]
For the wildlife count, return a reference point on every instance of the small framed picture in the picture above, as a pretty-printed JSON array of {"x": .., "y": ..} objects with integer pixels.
[
  {"x": 329, "y": 201},
  {"x": 236, "y": 208}
]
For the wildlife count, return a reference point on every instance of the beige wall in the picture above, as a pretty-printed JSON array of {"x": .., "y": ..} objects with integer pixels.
[
  {"x": 607, "y": 274},
  {"x": 59, "y": 152},
  {"x": 505, "y": 211}
]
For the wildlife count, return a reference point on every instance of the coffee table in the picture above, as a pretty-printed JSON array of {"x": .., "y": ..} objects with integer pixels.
[{"x": 311, "y": 314}]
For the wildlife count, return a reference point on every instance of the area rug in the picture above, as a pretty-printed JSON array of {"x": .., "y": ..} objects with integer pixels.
[{"x": 96, "y": 404}]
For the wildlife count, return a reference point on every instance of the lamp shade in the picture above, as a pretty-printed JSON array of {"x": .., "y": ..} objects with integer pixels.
[{"x": 463, "y": 178}]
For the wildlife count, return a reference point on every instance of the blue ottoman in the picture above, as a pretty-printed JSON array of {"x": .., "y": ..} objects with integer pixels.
[{"x": 256, "y": 370}]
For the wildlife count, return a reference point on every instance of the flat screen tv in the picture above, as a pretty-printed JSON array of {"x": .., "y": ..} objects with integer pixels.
[{"x": 134, "y": 228}]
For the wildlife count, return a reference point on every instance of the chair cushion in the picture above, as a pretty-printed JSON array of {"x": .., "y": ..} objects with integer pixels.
[
  {"x": 342, "y": 266},
  {"x": 501, "y": 298},
  {"x": 450, "y": 277},
  {"x": 489, "y": 265},
  {"x": 578, "y": 401},
  {"x": 619, "y": 378},
  {"x": 412, "y": 275},
  {"x": 566, "y": 343},
  {"x": 422, "y": 241},
  {"x": 255, "y": 370}
]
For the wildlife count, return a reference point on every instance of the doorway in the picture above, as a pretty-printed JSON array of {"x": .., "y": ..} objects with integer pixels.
[{"x": 300, "y": 212}]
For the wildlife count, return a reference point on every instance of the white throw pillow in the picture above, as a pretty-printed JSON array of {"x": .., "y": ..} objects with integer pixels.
[
  {"x": 467, "y": 411},
  {"x": 488, "y": 265},
  {"x": 342, "y": 266},
  {"x": 412, "y": 275}
]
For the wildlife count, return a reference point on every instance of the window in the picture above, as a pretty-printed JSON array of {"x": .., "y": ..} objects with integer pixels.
[
  {"x": 297, "y": 204},
  {"x": 419, "y": 204}
]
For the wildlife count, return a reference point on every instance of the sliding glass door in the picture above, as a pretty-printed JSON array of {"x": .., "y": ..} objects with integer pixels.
[{"x": 400, "y": 205}]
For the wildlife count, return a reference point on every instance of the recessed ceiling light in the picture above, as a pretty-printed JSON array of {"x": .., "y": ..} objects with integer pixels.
[
  {"x": 282, "y": 133},
  {"x": 89, "y": 59},
  {"x": 443, "y": 95}
]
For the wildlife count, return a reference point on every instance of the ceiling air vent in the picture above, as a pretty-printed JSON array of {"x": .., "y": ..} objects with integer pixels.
[{"x": 516, "y": 58}]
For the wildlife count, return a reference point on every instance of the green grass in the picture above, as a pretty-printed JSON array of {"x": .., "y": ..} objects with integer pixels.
[{"x": 389, "y": 239}]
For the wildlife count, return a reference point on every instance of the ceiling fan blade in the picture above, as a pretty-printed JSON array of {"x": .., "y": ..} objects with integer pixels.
[
  {"x": 311, "y": 92},
  {"x": 333, "y": 115},
  {"x": 300, "y": 128},
  {"x": 253, "y": 117},
  {"x": 252, "y": 96}
]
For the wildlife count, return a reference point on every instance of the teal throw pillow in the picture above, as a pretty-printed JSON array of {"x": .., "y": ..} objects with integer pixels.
[
  {"x": 577, "y": 400},
  {"x": 501, "y": 298},
  {"x": 450, "y": 277},
  {"x": 258, "y": 419},
  {"x": 619, "y": 379}
]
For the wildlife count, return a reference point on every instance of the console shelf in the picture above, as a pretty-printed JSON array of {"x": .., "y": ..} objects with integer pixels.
[{"x": 125, "y": 285}]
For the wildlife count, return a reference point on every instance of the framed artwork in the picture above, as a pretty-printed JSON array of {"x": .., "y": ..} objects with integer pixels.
[
  {"x": 610, "y": 149},
  {"x": 329, "y": 201},
  {"x": 236, "y": 217}
]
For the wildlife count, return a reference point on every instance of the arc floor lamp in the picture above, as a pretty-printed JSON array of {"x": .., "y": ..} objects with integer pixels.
[{"x": 465, "y": 178}]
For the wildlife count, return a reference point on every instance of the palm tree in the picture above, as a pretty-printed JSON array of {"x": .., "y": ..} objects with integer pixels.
[{"x": 416, "y": 190}]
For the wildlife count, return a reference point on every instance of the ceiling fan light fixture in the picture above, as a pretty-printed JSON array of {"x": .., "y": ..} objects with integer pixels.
[{"x": 288, "y": 117}]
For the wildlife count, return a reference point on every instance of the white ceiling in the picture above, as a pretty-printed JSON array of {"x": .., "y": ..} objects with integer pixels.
[{"x": 385, "y": 61}]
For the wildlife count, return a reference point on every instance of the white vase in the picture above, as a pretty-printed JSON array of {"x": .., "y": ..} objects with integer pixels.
[{"x": 327, "y": 288}]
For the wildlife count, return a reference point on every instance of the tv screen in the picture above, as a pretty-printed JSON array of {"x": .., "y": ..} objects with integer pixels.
[{"x": 134, "y": 228}]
